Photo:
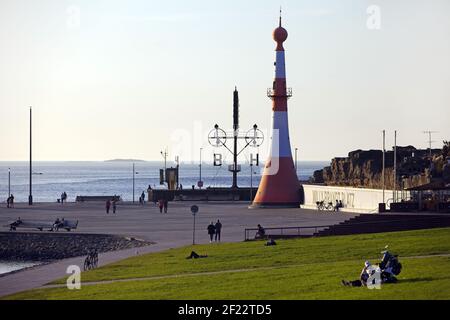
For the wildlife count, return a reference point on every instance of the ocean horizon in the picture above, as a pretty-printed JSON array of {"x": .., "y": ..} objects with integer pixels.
[{"x": 51, "y": 178}]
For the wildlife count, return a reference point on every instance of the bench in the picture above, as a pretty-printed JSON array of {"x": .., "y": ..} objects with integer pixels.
[
  {"x": 97, "y": 198},
  {"x": 41, "y": 225}
]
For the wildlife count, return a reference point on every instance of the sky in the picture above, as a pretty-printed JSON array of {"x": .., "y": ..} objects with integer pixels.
[{"x": 126, "y": 79}]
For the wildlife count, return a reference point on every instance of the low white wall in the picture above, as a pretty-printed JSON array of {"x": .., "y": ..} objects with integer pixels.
[{"x": 359, "y": 200}]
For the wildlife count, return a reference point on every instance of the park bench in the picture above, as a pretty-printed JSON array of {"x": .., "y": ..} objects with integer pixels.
[
  {"x": 41, "y": 225},
  {"x": 97, "y": 198}
]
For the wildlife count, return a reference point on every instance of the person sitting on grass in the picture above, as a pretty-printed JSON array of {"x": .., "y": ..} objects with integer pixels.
[
  {"x": 260, "y": 233},
  {"x": 270, "y": 242},
  {"x": 364, "y": 276},
  {"x": 195, "y": 255}
]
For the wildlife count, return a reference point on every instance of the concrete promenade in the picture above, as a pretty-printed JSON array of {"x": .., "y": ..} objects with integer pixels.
[{"x": 170, "y": 230}]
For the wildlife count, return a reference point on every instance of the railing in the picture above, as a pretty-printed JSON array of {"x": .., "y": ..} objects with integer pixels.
[
  {"x": 284, "y": 231},
  {"x": 271, "y": 93}
]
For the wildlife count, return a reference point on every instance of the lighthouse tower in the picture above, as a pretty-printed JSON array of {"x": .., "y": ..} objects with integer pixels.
[{"x": 279, "y": 186}]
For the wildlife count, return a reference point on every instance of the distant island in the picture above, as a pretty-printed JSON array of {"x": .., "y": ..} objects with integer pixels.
[{"x": 125, "y": 160}]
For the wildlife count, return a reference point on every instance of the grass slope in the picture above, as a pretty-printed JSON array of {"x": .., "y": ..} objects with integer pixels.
[{"x": 294, "y": 269}]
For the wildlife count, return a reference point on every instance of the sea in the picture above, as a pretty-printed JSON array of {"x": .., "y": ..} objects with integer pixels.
[{"x": 50, "y": 179}]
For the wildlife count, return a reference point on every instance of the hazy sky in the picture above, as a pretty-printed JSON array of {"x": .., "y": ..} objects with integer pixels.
[{"x": 123, "y": 79}]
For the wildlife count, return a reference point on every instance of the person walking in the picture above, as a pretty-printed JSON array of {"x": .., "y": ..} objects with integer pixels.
[
  {"x": 161, "y": 205},
  {"x": 8, "y": 201},
  {"x": 218, "y": 228},
  {"x": 166, "y": 204},
  {"x": 336, "y": 207},
  {"x": 143, "y": 197},
  {"x": 211, "y": 231},
  {"x": 11, "y": 201},
  {"x": 63, "y": 197},
  {"x": 108, "y": 206},
  {"x": 114, "y": 205}
]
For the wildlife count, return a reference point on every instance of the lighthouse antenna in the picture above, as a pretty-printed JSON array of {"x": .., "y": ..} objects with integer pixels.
[{"x": 280, "y": 16}]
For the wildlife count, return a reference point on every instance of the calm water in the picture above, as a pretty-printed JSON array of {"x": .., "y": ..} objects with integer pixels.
[
  {"x": 50, "y": 179},
  {"x": 9, "y": 266}
]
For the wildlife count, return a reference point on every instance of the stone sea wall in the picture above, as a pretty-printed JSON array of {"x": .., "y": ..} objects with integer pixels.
[{"x": 46, "y": 246}]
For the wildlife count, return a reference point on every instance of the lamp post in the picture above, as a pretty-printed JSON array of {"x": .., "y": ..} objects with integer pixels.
[
  {"x": 194, "y": 210},
  {"x": 296, "y": 150},
  {"x": 164, "y": 155},
  {"x": 9, "y": 182},
  {"x": 383, "y": 177},
  {"x": 30, "y": 196},
  {"x": 134, "y": 172},
  {"x": 177, "y": 160},
  {"x": 395, "y": 167},
  {"x": 200, "y": 184},
  {"x": 251, "y": 182}
]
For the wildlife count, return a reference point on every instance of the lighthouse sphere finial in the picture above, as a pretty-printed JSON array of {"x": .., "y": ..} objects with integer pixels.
[{"x": 280, "y": 35}]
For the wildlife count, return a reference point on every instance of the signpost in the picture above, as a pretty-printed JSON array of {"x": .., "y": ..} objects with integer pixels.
[{"x": 194, "y": 210}]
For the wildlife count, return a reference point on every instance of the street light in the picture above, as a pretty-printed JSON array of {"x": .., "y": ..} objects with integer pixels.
[
  {"x": 9, "y": 182},
  {"x": 200, "y": 182},
  {"x": 194, "y": 210},
  {"x": 164, "y": 155},
  {"x": 134, "y": 173},
  {"x": 296, "y": 150},
  {"x": 30, "y": 196},
  {"x": 251, "y": 181}
]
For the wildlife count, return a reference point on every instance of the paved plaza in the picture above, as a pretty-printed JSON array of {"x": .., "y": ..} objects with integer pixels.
[{"x": 170, "y": 230}]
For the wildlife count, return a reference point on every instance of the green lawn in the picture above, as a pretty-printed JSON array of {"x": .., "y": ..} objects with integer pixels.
[{"x": 294, "y": 269}]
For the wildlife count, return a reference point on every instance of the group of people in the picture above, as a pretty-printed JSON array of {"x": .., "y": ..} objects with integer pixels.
[
  {"x": 214, "y": 231},
  {"x": 63, "y": 197},
  {"x": 163, "y": 204},
  {"x": 142, "y": 198},
  {"x": 338, "y": 205},
  {"x": 385, "y": 272},
  {"x": 10, "y": 201},
  {"x": 57, "y": 224},
  {"x": 110, "y": 203}
]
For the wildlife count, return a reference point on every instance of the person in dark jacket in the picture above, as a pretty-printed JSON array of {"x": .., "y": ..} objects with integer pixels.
[
  {"x": 114, "y": 205},
  {"x": 260, "y": 233},
  {"x": 165, "y": 204},
  {"x": 161, "y": 205},
  {"x": 211, "y": 231},
  {"x": 108, "y": 206},
  {"x": 218, "y": 227},
  {"x": 363, "y": 277}
]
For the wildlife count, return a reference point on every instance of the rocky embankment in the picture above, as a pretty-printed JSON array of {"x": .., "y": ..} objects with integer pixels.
[
  {"x": 364, "y": 168},
  {"x": 43, "y": 246}
]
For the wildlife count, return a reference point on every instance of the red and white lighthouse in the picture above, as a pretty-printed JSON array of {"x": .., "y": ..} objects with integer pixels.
[{"x": 279, "y": 186}]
